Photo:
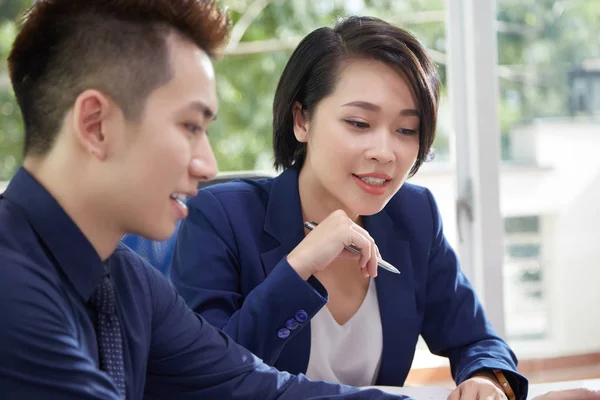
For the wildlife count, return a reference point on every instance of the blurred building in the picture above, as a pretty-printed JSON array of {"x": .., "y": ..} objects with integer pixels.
[{"x": 550, "y": 201}]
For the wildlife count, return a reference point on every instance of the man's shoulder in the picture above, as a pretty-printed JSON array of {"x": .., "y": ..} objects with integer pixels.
[
  {"x": 23, "y": 261},
  {"x": 14, "y": 228},
  {"x": 29, "y": 283}
]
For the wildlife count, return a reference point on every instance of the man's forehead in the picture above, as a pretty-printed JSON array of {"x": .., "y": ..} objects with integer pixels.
[
  {"x": 193, "y": 81},
  {"x": 181, "y": 46}
]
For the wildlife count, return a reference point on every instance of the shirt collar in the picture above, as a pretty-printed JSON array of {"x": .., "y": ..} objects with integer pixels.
[{"x": 73, "y": 252}]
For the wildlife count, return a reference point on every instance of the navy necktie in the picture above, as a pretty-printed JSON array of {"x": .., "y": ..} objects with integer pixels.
[{"x": 108, "y": 333}]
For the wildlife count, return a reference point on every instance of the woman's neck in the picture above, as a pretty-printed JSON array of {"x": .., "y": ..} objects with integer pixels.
[{"x": 316, "y": 201}]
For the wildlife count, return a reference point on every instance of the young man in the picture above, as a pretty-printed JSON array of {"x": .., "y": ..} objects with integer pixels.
[{"x": 116, "y": 96}]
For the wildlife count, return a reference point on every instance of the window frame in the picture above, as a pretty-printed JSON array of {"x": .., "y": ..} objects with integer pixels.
[{"x": 473, "y": 89}]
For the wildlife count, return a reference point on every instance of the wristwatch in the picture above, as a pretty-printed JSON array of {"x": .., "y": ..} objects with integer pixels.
[{"x": 504, "y": 384}]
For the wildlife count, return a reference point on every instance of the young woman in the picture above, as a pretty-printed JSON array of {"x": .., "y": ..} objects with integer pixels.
[{"x": 354, "y": 117}]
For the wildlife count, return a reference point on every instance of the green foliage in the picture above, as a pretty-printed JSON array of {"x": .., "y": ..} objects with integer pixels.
[
  {"x": 11, "y": 10},
  {"x": 556, "y": 36},
  {"x": 540, "y": 41},
  {"x": 11, "y": 126}
]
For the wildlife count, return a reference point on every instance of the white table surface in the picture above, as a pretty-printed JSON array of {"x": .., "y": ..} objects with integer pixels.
[
  {"x": 541, "y": 388},
  {"x": 441, "y": 393}
]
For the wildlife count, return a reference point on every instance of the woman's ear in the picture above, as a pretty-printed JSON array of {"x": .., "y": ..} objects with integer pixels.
[{"x": 300, "y": 123}]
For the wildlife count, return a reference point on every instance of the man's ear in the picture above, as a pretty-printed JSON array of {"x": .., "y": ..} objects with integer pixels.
[
  {"x": 90, "y": 113},
  {"x": 300, "y": 123}
]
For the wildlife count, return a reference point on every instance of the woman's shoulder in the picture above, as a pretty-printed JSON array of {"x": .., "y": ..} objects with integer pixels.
[
  {"x": 255, "y": 185},
  {"x": 411, "y": 196},
  {"x": 235, "y": 191},
  {"x": 241, "y": 202},
  {"x": 414, "y": 206},
  {"x": 414, "y": 212}
]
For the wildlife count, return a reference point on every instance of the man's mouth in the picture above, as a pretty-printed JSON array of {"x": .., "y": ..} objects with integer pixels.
[{"x": 180, "y": 198}]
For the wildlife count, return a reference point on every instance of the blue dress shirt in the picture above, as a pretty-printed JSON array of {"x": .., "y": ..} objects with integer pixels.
[
  {"x": 230, "y": 266},
  {"x": 48, "y": 348}
]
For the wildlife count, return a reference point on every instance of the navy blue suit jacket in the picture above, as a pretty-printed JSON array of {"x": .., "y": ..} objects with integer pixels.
[{"x": 230, "y": 266}]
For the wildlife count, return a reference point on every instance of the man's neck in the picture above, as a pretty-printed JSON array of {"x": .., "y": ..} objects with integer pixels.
[{"x": 84, "y": 208}]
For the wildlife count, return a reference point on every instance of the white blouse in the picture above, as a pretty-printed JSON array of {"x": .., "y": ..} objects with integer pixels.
[{"x": 351, "y": 353}]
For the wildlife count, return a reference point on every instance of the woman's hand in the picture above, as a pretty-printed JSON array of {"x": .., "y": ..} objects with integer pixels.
[
  {"x": 326, "y": 242},
  {"x": 478, "y": 387}
]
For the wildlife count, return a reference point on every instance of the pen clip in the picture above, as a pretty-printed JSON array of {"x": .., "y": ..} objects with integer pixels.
[{"x": 310, "y": 225}]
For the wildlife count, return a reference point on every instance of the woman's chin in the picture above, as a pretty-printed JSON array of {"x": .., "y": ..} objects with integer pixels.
[{"x": 367, "y": 209}]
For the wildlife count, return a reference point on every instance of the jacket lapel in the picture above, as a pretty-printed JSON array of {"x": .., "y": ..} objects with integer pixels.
[
  {"x": 283, "y": 230},
  {"x": 396, "y": 296}
]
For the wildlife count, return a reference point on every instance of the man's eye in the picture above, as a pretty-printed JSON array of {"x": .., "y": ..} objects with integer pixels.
[{"x": 193, "y": 128}]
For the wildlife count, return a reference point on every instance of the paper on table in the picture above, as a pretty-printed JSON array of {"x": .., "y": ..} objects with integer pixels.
[{"x": 418, "y": 393}]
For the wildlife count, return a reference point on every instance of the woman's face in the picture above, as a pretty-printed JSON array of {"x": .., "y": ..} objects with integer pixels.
[{"x": 362, "y": 139}]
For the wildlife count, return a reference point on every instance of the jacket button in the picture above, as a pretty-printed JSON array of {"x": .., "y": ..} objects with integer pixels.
[
  {"x": 283, "y": 333},
  {"x": 292, "y": 324},
  {"x": 301, "y": 316}
]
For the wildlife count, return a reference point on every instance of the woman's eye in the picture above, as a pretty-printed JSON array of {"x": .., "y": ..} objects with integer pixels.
[
  {"x": 408, "y": 132},
  {"x": 357, "y": 124}
]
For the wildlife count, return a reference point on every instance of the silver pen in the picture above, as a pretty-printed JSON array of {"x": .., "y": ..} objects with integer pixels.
[{"x": 382, "y": 263}]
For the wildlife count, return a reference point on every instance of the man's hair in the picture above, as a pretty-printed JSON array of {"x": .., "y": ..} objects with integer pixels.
[{"x": 118, "y": 47}]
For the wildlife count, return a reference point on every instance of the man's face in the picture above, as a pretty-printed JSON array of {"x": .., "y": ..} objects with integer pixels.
[{"x": 166, "y": 153}]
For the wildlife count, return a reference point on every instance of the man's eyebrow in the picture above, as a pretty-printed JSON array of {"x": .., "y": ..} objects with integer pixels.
[
  {"x": 204, "y": 109},
  {"x": 409, "y": 112}
]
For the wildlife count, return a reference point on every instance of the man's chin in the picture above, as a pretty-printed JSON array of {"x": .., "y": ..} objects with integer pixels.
[{"x": 159, "y": 233}]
